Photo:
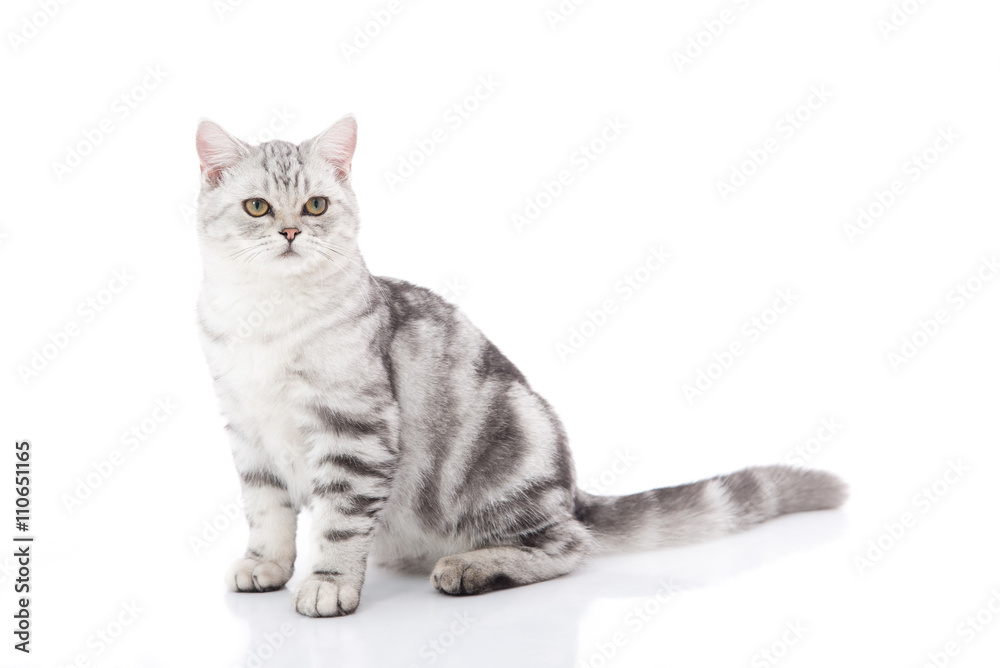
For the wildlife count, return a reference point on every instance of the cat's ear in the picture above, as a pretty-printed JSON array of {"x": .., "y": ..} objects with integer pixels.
[
  {"x": 217, "y": 150},
  {"x": 336, "y": 145}
]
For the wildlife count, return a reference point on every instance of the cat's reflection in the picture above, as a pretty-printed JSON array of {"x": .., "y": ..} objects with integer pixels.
[{"x": 403, "y": 623}]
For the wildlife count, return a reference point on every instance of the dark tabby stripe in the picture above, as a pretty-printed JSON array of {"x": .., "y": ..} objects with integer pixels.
[
  {"x": 332, "y": 488},
  {"x": 348, "y": 425},
  {"x": 336, "y": 535},
  {"x": 357, "y": 466},
  {"x": 262, "y": 478}
]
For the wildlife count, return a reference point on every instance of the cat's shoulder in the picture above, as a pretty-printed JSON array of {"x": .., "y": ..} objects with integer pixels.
[{"x": 414, "y": 302}]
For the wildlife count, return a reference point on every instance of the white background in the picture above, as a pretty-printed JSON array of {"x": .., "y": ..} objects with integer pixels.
[{"x": 126, "y": 206}]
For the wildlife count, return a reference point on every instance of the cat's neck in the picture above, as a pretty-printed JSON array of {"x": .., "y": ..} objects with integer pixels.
[{"x": 344, "y": 284}]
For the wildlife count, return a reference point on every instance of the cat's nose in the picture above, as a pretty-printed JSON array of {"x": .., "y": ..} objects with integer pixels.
[{"x": 290, "y": 232}]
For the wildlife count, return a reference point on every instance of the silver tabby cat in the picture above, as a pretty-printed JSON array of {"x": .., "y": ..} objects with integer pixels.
[{"x": 379, "y": 405}]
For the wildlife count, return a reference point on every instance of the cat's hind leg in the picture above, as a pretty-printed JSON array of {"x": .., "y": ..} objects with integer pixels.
[{"x": 540, "y": 555}]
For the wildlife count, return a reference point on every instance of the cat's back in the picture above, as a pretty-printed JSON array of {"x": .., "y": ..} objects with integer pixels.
[{"x": 433, "y": 341}]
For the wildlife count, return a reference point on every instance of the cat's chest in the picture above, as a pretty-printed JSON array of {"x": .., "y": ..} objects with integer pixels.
[
  {"x": 266, "y": 383},
  {"x": 279, "y": 357}
]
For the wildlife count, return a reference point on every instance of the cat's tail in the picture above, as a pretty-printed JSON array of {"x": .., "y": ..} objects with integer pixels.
[{"x": 706, "y": 509}]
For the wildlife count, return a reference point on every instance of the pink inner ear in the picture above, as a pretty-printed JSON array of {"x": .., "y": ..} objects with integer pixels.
[
  {"x": 337, "y": 144},
  {"x": 217, "y": 150}
]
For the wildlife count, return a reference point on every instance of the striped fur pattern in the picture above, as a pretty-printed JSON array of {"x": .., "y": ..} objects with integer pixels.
[{"x": 413, "y": 439}]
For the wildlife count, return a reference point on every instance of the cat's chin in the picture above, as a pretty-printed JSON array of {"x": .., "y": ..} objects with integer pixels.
[
  {"x": 279, "y": 266},
  {"x": 294, "y": 263},
  {"x": 300, "y": 263}
]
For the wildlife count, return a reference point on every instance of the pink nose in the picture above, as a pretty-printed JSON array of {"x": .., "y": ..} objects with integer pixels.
[{"x": 290, "y": 232}]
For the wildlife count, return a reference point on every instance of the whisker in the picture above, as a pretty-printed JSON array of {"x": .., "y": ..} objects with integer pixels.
[
  {"x": 249, "y": 248},
  {"x": 235, "y": 255},
  {"x": 251, "y": 258}
]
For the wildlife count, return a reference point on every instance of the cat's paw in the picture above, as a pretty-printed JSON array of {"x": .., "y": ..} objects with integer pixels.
[
  {"x": 460, "y": 575},
  {"x": 255, "y": 575},
  {"x": 326, "y": 596}
]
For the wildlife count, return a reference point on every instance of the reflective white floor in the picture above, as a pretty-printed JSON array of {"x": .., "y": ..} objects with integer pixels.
[
  {"x": 788, "y": 592},
  {"x": 561, "y": 623},
  {"x": 633, "y": 609}
]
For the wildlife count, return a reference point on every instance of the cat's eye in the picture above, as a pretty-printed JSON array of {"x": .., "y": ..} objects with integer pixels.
[
  {"x": 315, "y": 206},
  {"x": 256, "y": 207}
]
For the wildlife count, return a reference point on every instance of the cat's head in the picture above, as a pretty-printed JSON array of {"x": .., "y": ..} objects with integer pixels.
[{"x": 277, "y": 208}]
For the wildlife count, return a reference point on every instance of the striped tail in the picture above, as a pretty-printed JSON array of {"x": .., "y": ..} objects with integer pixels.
[{"x": 706, "y": 509}]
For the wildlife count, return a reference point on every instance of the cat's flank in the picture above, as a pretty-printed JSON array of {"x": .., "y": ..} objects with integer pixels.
[{"x": 379, "y": 405}]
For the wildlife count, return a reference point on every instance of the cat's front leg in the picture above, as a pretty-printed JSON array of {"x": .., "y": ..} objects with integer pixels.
[
  {"x": 270, "y": 554},
  {"x": 354, "y": 458}
]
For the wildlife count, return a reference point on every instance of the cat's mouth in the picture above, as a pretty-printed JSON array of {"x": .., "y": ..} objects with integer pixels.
[{"x": 288, "y": 251}]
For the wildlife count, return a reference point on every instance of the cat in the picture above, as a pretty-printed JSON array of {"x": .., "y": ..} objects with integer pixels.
[{"x": 381, "y": 406}]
